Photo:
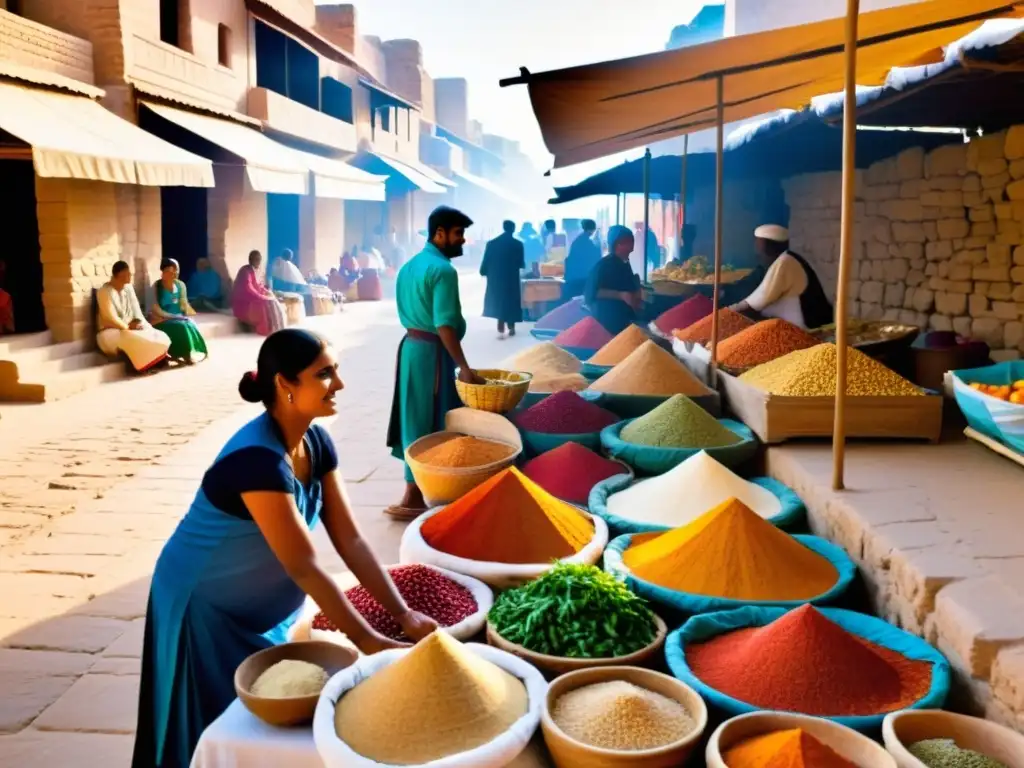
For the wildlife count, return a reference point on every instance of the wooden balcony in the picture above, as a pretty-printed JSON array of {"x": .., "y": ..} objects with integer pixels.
[{"x": 281, "y": 114}]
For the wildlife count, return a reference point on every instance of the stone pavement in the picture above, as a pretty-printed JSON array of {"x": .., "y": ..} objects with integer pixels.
[{"x": 91, "y": 486}]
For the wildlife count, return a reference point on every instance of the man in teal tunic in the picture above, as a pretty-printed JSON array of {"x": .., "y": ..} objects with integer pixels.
[{"x": 427, "y": 295}]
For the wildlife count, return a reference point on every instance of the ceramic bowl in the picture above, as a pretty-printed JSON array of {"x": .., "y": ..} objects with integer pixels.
[{"x": 902, "y": 729}]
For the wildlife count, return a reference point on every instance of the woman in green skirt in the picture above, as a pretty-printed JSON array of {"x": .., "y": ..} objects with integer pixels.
[{"x": 171, "y": 314}]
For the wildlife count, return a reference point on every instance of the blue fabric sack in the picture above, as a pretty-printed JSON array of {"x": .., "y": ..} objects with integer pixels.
[
  {"x": 579, "y": 352},
  {"x": 537, "y": 443},
  {"x": 791, "y": 515},
  {"x": 635, "y": 406},
  {"x": 650, "y": 460},
  {"x": 544, "y": 334},
  {"x": 994, "y": 418},
  {"x": 706, "y": 626},
  {"x": 692, "y": 604},
  {"x": 595, "y": 372}
]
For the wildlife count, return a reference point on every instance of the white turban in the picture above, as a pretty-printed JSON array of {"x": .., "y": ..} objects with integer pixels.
[{"x": 772, "y": 232}]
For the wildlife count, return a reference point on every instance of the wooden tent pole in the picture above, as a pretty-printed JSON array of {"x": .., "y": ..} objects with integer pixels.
[
  {"x": 719, "y": 199},
  {"x": 846, "y": 241},
  {"x": 647, "y": 209}
]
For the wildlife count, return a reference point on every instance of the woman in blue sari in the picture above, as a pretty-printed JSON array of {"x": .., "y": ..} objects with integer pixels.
[
  {"x": 235, "y": 573},
  {"x": 613, "y": 290}
]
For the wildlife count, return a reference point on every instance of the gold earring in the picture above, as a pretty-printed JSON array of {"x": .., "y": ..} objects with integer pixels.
[{"x": 291, "y": 399}]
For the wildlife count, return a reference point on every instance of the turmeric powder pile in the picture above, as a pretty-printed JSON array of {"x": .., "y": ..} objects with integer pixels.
[
  {"x": 731, "y": 552},
  {"x": 794, "y": 748},
  {"x": 509, "y": 519},
  {"x": 464, "y": 451}
]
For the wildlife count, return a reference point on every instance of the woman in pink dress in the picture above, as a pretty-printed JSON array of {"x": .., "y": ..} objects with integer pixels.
[{"x": 253, "y": 304}]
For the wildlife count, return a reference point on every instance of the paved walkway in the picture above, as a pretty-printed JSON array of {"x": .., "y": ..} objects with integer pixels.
[{"x": 90, "y": 487}]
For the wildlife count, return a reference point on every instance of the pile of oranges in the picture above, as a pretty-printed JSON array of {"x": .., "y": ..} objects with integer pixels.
[{"x": 1010, "y": 393}]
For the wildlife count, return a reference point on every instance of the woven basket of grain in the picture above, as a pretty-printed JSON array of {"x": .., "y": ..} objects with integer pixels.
[{"x": 501, "y": 393}]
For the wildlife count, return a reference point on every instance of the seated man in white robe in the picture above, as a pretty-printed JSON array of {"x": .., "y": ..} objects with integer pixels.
[{"x": 122, "y": 326}]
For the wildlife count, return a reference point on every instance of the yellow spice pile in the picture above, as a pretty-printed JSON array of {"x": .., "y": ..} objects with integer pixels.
[
  {"x": 812, "y": 373},
  {"x": 438, "y": 700}
]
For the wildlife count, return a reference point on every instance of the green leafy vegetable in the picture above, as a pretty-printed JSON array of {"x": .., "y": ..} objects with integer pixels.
[{"x": 574, "y": 611}]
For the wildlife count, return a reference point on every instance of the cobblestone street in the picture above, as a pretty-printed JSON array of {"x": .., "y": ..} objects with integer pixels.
[{"x": 91, "y": 486}]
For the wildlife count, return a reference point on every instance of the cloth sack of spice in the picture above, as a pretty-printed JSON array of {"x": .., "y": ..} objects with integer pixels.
[
  {"x": 465, "y": 629},
  {"x": 496, "y": 754}
]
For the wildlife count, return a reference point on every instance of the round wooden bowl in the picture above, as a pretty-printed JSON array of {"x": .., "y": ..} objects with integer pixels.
[
  {"x": 858, "y": 749},
  {"x": 902, "y": 729},
  {"x": 294, "y": 710},
  {"x": 558, "y": 665},
  {"x": 567, "y": 752}
]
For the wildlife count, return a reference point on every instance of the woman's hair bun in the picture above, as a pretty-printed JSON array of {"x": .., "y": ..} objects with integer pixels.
[{"x": 249, "y": 388}]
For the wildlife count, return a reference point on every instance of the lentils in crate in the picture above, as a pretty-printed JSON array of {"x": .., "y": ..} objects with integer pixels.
[{"x": 424, "y": 589}]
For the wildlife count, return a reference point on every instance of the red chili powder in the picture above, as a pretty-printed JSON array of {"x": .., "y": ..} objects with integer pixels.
[
  {"x": 562, "y": 317},
  {"x": 424, "y": 589},
  {"x": 695, "y": 308},
  {"x": 565, "y": 413},
  {"x": 586, "y": 334},
  {"x": 804, "y": 662},
  {"x": 571, "y": 471}
]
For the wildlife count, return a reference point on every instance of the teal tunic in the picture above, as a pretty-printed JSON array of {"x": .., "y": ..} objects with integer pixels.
[
  {"x": 427, "y": 295},
  {"x": 183, "y": 333}
]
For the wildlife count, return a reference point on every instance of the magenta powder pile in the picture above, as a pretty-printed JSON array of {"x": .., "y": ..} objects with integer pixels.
[
  {"x": 684, "y": 315},
  {"x": 586, "y": 334},
  {"x": 570, "y": 471},
  {"x": 560, "y": 318},
  {"x": 565, "y": 413}
]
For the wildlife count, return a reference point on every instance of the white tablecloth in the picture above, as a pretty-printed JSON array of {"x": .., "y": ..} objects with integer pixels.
[{"x": 237, "y": 739}]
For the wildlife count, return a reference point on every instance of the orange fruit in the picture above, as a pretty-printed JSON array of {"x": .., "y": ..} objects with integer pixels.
[
  {"x": 1017, "y": 397},
  {"x": 979, "y": 387},
  {"x": 1019, "y": 384}
]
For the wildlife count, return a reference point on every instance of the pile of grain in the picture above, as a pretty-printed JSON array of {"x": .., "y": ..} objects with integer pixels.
[
  {"x": 544, "y": 360},
  {"x": 679, "y": 423},
  {"x": 812, "y": 373},
  {"x": 289, "y": 678},
  {"x": 650, "y": 370},
  {"x": 619, "y": 348},
  {"x": 462, "y": 451},
  {"x": 729, "y": 324},
  {"x": 566, "y": 382},
  {"x": 763, "y": 342}
]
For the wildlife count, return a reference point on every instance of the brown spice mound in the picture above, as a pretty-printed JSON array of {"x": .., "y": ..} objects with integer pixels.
[
  {"x": 464, "y": 451},
  {"x": 619, "y": 348},
  {"x": 763, "y": 342},
  {"x": 729, "y": 324},
  {"x": 650, "y": 370}
]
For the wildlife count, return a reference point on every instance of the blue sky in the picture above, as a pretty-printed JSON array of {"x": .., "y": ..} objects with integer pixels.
[{"x": 486, "y": 40}]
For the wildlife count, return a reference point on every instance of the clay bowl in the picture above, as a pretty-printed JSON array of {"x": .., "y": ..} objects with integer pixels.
[
  {"x": 567, "y": 752},
  {"x": 902, "y": 729},
  {"x": 294, "y": 710},
  {"x": 858, "y": 749},
  {"x": 552, "y": 666}
]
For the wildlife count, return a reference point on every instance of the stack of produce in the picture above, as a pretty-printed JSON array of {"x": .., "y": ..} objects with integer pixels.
[
  {"x": 794, "y": 748},
  {"x": 587, "y": 334},
  {"x": 763, "y": 342},
  {"x": 553, "y": 369},
  {"x": 732, "y": 553},
  {"x": 438, "y": 700},
  {"x": 687, "y": 491},
  {"x": 621, "y": 716},
  {"x": 679, "y": 423},
  {"x": 619, "y": 348},
  {"x": 944, "y": 753},
  {"x": 804, "y": 662},
  {"x": 684, "y": 315},
  {"x": 562, "y": 317},
  {"x": 424, "y": 589},
  {"x": 729, "y": 324},
  {"x": 289, "y": 678},
  {"x": 570, "y": 472},
  {"x": 509, "y": 519},
  {"x": 564, "y": 413},
  {"x": 574, "y": 611},
  {"x": 650, "y": 370},
  {"x": 812, "y": 373},
  {"x": 1009, "y": 393},
  {"x": 463, "y": 452}
]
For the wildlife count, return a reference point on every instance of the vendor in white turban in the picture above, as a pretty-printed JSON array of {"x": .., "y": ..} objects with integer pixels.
[{"x": 790, "y": 290}]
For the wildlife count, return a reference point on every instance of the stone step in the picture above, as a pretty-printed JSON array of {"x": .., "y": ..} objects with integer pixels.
[
  {"x": 27, "y": 359},
  {"x": 11, "y": 345}
]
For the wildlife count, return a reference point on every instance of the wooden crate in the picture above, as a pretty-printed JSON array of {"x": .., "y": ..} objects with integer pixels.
[{"x": 775, "y": 418}]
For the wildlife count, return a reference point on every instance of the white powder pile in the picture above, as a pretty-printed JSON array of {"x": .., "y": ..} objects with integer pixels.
[
  {"x": 685, "y": 493},
  {"x": 290, "y": 678}
]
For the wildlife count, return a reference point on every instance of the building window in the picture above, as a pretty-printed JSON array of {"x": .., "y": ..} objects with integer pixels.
[
  {"x": 170, "y": 22},
  {"x": 336, "y": 99},
  {"x": 224, "y": 45},
  {"x": 385, "y": 120},
  {"x": 286, "y": 67}
]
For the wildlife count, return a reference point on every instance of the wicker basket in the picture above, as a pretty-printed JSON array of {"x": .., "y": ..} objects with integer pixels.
[{"x": 496, "y": 398}]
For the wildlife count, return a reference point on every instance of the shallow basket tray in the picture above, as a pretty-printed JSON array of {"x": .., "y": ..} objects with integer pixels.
[
  {"x": 495, "y": 398},
  {"x": 544, "y": 334},
  {"x": 791, "y": 515},
  {"x": 553, "y": 666},
  {"x": 846, "y": 742},
  {"x": 902, "y": 729},
  {"x": 442, "y": 485},
  {"x": 692, "y": 604},
  {"x": 709, "y": 625},
  {"x": 335, "y": 753},
  {"x": 651, "y": 460},
  {"x": 414, "y": 549}
]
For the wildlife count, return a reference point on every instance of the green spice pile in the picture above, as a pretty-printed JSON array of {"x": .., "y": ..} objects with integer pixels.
[
  {"x": 944, "y": 753},
  {"x": 622, "y": 716},
  {"x": 574, "y": 611},
  {"x": 679, "y": 423}
]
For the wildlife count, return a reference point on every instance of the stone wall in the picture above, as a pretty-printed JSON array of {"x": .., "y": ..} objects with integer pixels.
[
  {"x": 32, "y": 44},
  {"x": 939, "y": 238},
  {"x": 236, "y": 221}
]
